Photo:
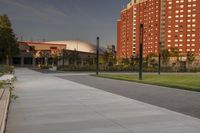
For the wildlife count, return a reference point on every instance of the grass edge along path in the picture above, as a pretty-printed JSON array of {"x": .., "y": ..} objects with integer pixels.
[{"x": 185, "y": 82}]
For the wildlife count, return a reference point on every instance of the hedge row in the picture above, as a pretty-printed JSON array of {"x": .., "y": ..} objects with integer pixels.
[
  {"x": 117, "y": 68},
  {"x": 126, "y": 68}
]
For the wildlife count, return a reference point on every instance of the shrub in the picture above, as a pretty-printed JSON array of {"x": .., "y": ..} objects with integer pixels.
[
  {"x": 44, "y": 67},
  {"x": 150, "y": 69},
  {"x": 124, "y": 68},
  {"x": 6, "y": 69}
]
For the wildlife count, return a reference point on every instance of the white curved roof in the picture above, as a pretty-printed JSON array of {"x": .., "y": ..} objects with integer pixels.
[{"x": 77, "y": 45}]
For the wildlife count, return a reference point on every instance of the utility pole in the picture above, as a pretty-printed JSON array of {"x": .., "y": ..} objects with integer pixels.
[
  {"x": 141, "y": 51},
  {"x": 97, "y": 56}
]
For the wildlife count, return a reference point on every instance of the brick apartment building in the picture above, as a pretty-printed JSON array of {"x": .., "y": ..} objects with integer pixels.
[
  {"x": 167, "y": 24},
  {"x": 125, "y": 45},
  {"x": 182, "y": 25}
]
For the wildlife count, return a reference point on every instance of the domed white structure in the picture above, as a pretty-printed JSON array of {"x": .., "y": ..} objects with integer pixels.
[{"x": 78, "y": 46}]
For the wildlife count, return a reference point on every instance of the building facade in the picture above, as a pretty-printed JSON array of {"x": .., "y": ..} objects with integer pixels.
[
  {"x": 125, "y": 32},
  {"x": 167, "y": 24},
  {"x": 182, "y": 25},
  {"x": 69, "y": 52},
  {"x": 35, "y": 53}
]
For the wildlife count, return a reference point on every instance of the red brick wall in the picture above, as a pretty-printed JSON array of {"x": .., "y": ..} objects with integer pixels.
[
  {"x": 183, "y": 26},
  {"x": 148, "y": 14},
  {"x": 125, "y": 34}
]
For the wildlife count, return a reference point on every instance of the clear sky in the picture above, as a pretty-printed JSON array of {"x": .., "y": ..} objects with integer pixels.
[{"x": 64, "y": 19}]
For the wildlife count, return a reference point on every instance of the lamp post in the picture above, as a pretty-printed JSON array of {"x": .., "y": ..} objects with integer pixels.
[
  {"x": 141, "y": 51},
  {"x": 140, "y": 46},
  {"x": 97, "y": 56},
  {"x": 159, "y": 59},
  {"x": 63, "y": 57}
]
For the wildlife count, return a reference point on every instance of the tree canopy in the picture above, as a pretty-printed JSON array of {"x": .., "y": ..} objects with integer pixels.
[
  {"x": 190, "y": 57},
  {"x": 8, "y": 40},
  {"x": 165, "y": 56}
]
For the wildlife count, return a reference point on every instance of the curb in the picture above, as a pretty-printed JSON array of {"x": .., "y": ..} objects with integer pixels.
[{"x": 4, "y": 105}]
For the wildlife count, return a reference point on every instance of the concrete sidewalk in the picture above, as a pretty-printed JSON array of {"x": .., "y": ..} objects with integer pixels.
[
  {"x": 48, "y": 104},
  {"x": 182, "y": 101}
]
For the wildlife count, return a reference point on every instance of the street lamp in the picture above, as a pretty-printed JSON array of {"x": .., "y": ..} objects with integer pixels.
[
  {"x": 97, "y": 56},
  {"x": 141, "y": 46},
  {"x": 63, "y": 55},
  {"x": 159, "y": 59},
  {"x": 141, "y": 51}
]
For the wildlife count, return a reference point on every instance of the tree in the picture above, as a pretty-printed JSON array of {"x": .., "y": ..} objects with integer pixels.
[
  {"x": 74, "y": 58},
  {"x": 125, "y": 61},
  {"x": 45, "y": 54},
  {"x": 190, "y": 59},
  {"x": 8, "y": 40},
  {"x": 109, "y": 58},
  {"x": 150, "y": 59},
  {"x": 175, "y": 53},
  {"x": 65, "y": 56},
  {"x": 165, "y": 56},
  {"x": 89, "y": 60}
]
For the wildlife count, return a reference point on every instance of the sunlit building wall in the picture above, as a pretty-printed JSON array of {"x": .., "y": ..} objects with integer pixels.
[
  {"x": 182, "y": 25},
  {"x": 167, "y": 24},
  {"x": 128, "y": 27},
  {"x": 125, "y": 32}
]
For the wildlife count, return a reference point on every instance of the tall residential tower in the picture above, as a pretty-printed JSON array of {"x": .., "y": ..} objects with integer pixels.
[
  {"x": 182, "y": 25},
  {"x": 167, "y": 24},
  {"x": 146, "y": 12}
]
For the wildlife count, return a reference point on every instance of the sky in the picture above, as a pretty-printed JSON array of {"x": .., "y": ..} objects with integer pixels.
[{"x": 64, "y": 19}]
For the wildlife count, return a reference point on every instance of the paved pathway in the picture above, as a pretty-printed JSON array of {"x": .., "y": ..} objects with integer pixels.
[
  {"x": 48, "y": 104},
  {"x": 182, "y": 101}
]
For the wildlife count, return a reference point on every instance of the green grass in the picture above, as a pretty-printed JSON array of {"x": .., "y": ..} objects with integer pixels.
[{"x": 180, "y": 81}]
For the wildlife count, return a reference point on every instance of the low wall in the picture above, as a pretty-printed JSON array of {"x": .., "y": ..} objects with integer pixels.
[{"x": 4, "y": 104}]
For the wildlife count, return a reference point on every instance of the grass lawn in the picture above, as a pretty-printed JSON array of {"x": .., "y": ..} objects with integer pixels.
[{"x": 180, "y": 81}]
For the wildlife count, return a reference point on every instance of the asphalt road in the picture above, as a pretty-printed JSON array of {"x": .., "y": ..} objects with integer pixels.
[{"x": 182, "y": 101}]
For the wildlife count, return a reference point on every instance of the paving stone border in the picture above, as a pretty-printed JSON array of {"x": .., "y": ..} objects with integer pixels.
[
  {"x": 4, "y": 105},
  {"x": 5, "y": 94}
]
